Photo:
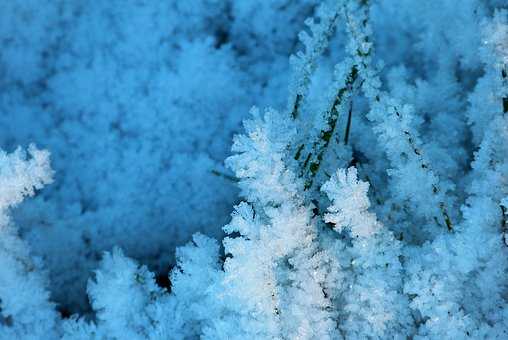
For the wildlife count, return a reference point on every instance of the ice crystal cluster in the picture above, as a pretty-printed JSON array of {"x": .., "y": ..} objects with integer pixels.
[{"x": 367, "y": 188}]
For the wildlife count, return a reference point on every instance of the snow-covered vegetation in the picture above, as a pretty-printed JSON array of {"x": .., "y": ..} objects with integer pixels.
[{"x": 365, "y": 196}]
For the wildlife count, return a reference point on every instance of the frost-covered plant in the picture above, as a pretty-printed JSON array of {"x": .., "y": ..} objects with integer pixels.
[
  {"x": 26, "y": 311},
  {"x": 374, "y": 306},
  {"x": 374, "y": 206}
]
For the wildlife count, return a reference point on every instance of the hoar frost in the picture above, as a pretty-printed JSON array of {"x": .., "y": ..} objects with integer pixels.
[{"x": 372, "y": 205}]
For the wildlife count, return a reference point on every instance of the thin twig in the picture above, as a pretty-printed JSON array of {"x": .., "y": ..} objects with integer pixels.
[
  {"x": 504, "y": 225},
  {"x": 225, "y": 176},
  {"x": 505, "y": 99},
  {"x": 348, "y": 125}
]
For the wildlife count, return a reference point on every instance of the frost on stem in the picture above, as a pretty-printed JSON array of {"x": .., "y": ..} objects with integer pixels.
[
  {"x": 496, "y": 40},
  {"x": 490, "y": 96},
  {"x": 304, "y": 63},
  {"x": 350, "y": 204},
  {"x": 374, "y": 305},
  {"x": 458, "y": 280},
  {"x": 311, "y": 155},
  {"x": 504, "y": 220},
  {"x": 394, "y": 128},
  {"x": 346, "y": 74},
  {"x": 124, "y": 295},
  {"x": 24, "y": 300},
  {"x": 258, "y": 161},
  {"x": 20, "y": 177},
  {"x": 130, "y": 305},
  {"x": 493, "y": 86},
  {"x": 274, "y": 274}
]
